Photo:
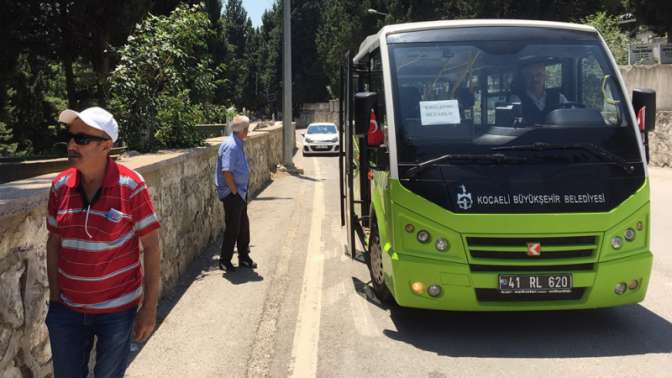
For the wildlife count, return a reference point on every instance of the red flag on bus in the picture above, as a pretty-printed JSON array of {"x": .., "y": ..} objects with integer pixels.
[
  {"x": 641, "y": 118},
  {"x": 375, "y": 135}
]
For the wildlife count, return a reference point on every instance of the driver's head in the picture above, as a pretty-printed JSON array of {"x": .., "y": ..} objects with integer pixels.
[{"x": 535, "y": 78}]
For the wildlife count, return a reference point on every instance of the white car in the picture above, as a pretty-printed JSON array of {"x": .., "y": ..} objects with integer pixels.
[{"x": 321, "y": 138}]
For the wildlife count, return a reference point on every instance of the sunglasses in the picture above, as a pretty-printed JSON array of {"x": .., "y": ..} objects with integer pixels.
[{"x": 84, "y": 139}]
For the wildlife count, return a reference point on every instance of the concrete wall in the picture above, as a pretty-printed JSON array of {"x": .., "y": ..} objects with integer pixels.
[
  {"x": 182, "y": 188},
  {"x": 657, "y": 76},
  {"x": 319, "y": 112}
]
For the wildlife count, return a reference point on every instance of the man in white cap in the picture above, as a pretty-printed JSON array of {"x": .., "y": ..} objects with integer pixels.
[{"x": 99, "y": 214}]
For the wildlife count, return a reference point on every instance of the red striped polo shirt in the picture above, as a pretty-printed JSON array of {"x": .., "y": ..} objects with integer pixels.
[{"x": 99, "y": 268}]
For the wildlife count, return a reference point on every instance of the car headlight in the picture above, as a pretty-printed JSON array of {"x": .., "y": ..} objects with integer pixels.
[
  {"x": 334, "y": 140},
  {"x": 308, "y": 140}
]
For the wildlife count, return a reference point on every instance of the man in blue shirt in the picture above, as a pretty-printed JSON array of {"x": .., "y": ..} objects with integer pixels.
[{"x": 232, "y": 179}]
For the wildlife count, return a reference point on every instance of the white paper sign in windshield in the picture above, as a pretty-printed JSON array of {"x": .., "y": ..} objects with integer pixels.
[{"x": 439, "y": 112}]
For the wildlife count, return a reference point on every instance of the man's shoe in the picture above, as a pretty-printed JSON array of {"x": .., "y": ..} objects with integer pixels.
[
  {"x": 248, "y": 263},
  {"x": 227, "y": 266}
]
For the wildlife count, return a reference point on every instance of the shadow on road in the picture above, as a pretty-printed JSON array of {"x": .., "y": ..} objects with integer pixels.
[
  {"x": 364, "y": 290},
  {"x": 242, "y": 275},
  {"x": 300, "y": 176},
  {"x": 272, "y": 198},
  {"x": 204, "y": 265},
  {"x": 622, "y": 331}
]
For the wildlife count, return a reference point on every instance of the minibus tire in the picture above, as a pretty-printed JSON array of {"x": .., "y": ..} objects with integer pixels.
[{"x": 375, "y": 256}]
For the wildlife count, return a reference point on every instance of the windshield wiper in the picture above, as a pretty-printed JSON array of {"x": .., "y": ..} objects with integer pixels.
[
  {"x": 595, "y": 150},
  {"x": 493, "y": 158}
]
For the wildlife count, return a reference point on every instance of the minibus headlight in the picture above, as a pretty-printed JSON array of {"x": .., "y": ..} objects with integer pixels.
[
  {"x": 630, "y": 234},
  {"x": 442, "y": 245},
  {"x": 434, "y": 290},
  {"x": 620, "y": 288},
  {"x": 616, "y": 242},
  {"x": 423, "y": 236}
]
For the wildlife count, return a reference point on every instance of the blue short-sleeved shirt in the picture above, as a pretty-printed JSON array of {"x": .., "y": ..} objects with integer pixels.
[{"x": 231, "y": 157}]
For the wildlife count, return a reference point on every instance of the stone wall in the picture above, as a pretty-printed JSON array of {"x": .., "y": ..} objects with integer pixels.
[{"x": 182, "y": 188}]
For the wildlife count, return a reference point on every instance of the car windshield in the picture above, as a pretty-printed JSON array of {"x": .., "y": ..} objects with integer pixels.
[
  {"x": 322, "y": 129},
  {"x": 472, "y": 96}
]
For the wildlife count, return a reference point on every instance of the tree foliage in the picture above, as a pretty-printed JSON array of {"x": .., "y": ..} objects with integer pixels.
[
  {"x": 655, "y": 13},
  {"x": 617, "y": 41},
  {"x": 164, "y": 71},
  {"x": 269, "y": 62},
  {"x": 185, "y": 64}
]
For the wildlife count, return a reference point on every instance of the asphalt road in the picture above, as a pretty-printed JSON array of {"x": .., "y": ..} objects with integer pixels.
[{"x": 307, "y": 311}]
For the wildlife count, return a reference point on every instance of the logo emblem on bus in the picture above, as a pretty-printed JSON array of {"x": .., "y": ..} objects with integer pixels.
[
  {"x": 464, "y": 200},
  {"x": 534, "y": 249}
]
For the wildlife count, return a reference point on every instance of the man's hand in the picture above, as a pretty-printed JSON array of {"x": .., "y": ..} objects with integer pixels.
[
  {"x": 54, "y": 294},
  {"x": 145, "y": 322}
]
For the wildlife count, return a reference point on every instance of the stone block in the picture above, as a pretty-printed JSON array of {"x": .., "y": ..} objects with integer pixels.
[{"x": 11, "y": 311}]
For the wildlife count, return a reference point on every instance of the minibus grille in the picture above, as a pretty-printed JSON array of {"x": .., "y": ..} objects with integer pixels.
[{"x": 518, "y": 248}]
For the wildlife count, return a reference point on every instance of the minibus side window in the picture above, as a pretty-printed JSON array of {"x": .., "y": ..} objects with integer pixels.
[{"x": 593, "y": 97}]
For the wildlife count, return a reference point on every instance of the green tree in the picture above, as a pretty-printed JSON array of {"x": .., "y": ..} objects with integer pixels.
[
  {"x": 238, "y": 33},
  {"x": 164, "y": 67},
  {"x": 344, "y": 25},
  {"x": 6, "y": 147},
  {"x": 655, "y": 13},
  {"x": 608, "y": 27},
  {"x": 310, "y": 84},
  {"x": 269, "y": 62}
]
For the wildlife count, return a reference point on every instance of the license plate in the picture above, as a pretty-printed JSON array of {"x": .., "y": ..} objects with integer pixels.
[{"x": 535, "y": 283}]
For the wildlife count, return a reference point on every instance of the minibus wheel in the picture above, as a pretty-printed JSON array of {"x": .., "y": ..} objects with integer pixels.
[{"x": 375, "y": 263}]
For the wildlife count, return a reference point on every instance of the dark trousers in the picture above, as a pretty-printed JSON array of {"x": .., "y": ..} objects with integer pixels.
[
  {"x": 237, "y": 231},
  {"x": 71, "y": 335}
]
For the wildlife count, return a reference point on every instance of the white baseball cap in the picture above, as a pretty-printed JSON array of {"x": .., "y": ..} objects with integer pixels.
[{"x": 96, "y": 117}]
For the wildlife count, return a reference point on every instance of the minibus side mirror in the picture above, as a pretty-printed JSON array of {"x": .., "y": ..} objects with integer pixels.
[
  {"x": 644, "y": 104},
  {"x": 364, "y": 102}
]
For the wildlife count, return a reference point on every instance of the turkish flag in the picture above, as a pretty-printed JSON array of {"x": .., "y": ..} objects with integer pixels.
[
  {"x": 375, "y": 135},
  {"x": 641, "y": 118}
]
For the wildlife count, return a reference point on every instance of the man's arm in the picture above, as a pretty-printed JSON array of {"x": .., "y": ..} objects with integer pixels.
[
  {"x": 228, "y": 178},
  {"x": 146, "y": 320},
  {"x": 53, "y": 247}
]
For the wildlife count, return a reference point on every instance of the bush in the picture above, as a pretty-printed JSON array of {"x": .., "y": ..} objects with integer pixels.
[
  {"x": 213, "y": 113},
  {"x": 178, "y": 118},
  {"x": 617, "y": 41},
  {"x": 164, "y": 70},
  {"x": 6, "y": 148}
]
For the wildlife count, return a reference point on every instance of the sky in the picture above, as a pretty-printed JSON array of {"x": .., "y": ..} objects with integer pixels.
[{"x": 255, "y": 8}]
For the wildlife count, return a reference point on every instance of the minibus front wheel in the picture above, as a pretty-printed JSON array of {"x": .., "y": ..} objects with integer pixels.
[{"x": 375, "y": 263}]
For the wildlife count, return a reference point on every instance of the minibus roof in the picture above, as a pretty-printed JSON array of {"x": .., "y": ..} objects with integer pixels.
[{"x": 373, "y": 41}]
